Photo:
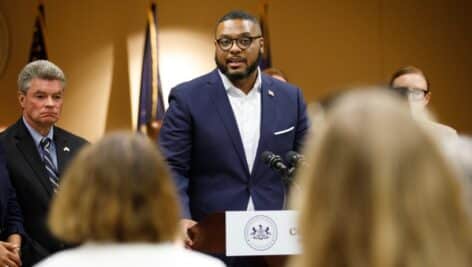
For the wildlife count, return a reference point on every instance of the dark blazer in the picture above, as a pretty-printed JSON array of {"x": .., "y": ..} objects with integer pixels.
[
  {"x": 201, "y": 142},
  {"x": 11, "y": 220},
  {"x": 33, "y": 188}
]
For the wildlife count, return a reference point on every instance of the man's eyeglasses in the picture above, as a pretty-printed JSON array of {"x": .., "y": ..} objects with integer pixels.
[
  {"x": 243, "y": 42},
  {"x": 415, "y": 94}
]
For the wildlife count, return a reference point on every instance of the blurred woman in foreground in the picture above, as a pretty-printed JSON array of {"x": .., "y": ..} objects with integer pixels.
[
  {"x": 117, "y": 199},
  {"x": 378, "y": 191}
]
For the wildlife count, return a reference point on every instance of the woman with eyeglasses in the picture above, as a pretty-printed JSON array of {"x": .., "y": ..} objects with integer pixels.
[{"x": 412, "y": 83}]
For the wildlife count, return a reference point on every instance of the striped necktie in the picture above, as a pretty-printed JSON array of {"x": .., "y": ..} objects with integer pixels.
[{"x": 49, "y": 163}]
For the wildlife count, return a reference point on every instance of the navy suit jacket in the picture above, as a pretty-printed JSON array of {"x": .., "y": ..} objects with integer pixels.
[
  {"x": 11, "y": 220},
  {"x": 201, "y": 142}
]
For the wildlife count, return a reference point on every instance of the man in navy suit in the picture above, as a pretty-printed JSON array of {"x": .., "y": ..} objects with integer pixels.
[
  {"x": 218, "y": 125},
  {"x": 11, "y": 221}
]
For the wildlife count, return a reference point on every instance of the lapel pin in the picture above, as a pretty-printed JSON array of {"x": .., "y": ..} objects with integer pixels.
[
  {"x": 66, "y": 149},
  {"x": 271, "y": 93}
]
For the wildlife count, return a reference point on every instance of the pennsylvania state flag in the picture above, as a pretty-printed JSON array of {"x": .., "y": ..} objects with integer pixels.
[
  {"x": 151, "y": 106},
  {"x": 38, "y": 47},
  {"x": 266, "y": 61}
]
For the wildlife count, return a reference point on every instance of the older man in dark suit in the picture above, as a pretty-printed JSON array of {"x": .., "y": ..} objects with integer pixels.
[{"x": 37, "y": 152}]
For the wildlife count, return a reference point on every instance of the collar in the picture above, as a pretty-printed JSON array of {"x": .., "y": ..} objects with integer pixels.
[
  {"x": 35, "y": 134},
  {"x": 229, "y": 85}
]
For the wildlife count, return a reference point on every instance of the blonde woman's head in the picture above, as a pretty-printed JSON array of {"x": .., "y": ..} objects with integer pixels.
[
  {"x": 378, "y": 192},
  {"x": 117, "y": 190}
]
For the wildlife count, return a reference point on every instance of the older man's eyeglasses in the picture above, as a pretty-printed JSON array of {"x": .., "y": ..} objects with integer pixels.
[
  {"x": 414, "y": 94},
  {"x": 243, "y": 42}
]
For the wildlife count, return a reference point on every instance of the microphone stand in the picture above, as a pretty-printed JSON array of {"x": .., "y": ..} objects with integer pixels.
[{"x": 288, "y": 183}]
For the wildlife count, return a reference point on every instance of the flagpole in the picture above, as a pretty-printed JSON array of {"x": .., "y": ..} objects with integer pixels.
[
  {"x": 150, "y": 101},
  {"x": 39, "y": 45},
  {"x": 263, "y": 21},
  {"x": 42, "y": 22}
]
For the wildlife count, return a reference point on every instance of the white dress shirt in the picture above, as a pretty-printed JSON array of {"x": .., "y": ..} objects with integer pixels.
[{"x": 247, "y": 111}]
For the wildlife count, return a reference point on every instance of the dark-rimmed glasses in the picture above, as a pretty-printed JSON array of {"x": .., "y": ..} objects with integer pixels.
[
  {"x": 415, "y": 94},
  {"x": 244, "y": 42}
]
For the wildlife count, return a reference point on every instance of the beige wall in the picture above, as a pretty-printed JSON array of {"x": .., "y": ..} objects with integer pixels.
[{"x": 322, "y": 45}]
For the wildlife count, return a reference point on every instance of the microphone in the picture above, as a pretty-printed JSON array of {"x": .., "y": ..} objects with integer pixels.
[
  {"x": 294, "y": 158},
  {"x": 275, "y": 162}
]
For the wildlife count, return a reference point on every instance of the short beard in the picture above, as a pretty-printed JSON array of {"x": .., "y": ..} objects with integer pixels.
[{"x": 241, "y": 75}]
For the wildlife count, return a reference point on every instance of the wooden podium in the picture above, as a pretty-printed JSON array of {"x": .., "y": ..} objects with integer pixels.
[{"x": 209, "y": 236}]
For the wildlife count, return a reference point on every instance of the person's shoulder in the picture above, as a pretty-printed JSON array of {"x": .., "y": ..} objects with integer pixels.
[
  {"x": 286, "y": 93},
  {"x": 187, "y": 257},
  {"x": 68, "y": 258},
  {"x": 10, "y": 130},
  {"x": 205, "y": 78},
  {"x": 278, "y": 85},
  {"x": 447, "y": 129},
  {"x": 442, "y": 131},
  {"x": 70, "y": 136},
  {"x": 195, "y": 84}
]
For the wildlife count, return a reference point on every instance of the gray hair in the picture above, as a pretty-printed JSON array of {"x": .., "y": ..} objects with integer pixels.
[{"x": 42, "y": 69}]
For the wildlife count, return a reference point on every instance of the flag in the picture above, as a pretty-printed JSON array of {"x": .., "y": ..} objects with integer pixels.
[
  {"x": 266, "y": 61},
  {"x": 38, "y": 47},
  {"x": 151, "y": 106}
]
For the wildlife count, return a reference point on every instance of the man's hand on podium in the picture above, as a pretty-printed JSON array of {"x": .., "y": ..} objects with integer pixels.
[{"x": 185, "y": 225}]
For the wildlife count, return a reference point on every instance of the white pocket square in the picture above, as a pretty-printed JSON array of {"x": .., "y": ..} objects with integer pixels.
[{"x": 285, "y": 131}]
